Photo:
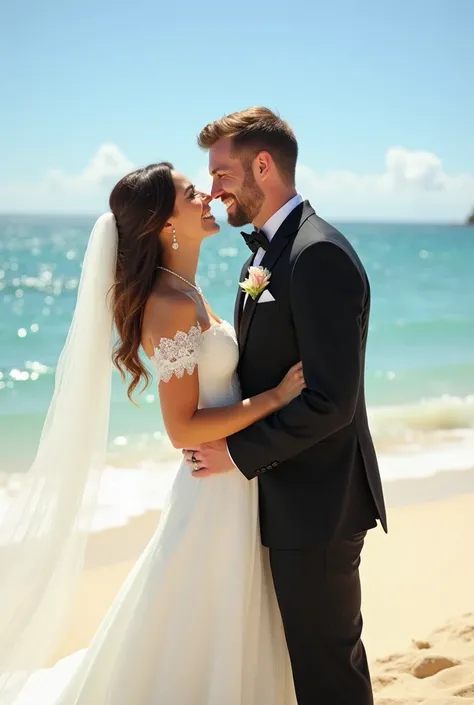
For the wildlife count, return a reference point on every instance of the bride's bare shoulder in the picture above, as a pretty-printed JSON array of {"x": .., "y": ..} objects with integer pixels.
[{"x": 166, "y": 312}]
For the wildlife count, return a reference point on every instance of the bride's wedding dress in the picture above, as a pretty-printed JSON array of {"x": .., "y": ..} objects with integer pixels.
[{"x": 196, "y": 622}]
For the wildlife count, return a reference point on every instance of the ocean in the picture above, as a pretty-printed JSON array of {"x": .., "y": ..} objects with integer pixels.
[{"x": 420, "y": 360}]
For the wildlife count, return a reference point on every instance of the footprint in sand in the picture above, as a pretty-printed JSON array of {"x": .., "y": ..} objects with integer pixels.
[
  {"x": 431, "y": 665},
  {"x": 467, "y": 691},
  {"x": 422, "y": 676}
]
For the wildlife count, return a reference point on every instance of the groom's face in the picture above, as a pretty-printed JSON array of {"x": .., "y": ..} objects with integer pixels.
[{"x": 233, "y": 181}]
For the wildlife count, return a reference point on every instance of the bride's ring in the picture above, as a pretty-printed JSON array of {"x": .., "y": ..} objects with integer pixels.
[{"x": 194, "y": 462}]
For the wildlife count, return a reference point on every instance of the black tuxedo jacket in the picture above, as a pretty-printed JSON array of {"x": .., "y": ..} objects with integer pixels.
[{"x": 314, "y": 459}]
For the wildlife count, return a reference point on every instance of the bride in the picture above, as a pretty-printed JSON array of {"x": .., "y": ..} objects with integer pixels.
[{"x": 196, "y": 621}]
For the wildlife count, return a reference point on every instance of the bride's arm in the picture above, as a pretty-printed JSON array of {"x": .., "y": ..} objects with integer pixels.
[{"x": 176, "y": 339}]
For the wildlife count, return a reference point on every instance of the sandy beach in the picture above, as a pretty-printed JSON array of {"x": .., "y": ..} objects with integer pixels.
[{"x": 418, "y": 590}]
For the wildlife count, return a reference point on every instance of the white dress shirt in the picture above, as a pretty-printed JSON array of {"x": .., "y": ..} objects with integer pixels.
[{"x": 272, "y": 225}]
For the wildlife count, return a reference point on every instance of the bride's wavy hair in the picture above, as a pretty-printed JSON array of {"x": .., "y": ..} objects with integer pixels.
[{"x": 142, "y": 202}]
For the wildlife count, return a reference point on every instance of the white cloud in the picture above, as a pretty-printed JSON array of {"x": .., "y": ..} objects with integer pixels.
[
  {"x": 412, "y": 185},
  {"x": 106, "y": 166},
  {"x": 60, "y": 191},
  {"x": 421, "y": 170}
]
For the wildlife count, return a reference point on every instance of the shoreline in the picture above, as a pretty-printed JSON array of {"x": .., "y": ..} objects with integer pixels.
[
  {"x": 422, "y": 436},
  {"x": 441, "y": 485}
]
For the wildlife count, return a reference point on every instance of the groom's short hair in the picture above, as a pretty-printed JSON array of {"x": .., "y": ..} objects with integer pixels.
[{"x": 256, "y": 129}]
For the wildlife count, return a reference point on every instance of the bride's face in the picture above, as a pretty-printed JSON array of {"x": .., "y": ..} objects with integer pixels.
[{"x": 192, "y": 215}]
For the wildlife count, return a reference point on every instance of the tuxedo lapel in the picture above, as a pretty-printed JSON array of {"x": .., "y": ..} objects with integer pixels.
[
  {"x": 276, "y": 248},
  {"x": 239, "y": 299}
]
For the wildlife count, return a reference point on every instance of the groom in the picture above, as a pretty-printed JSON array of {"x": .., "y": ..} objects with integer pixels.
[{"x": 319, "y": 484}]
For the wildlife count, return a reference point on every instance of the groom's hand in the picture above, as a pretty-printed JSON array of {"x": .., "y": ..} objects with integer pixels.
[{"x": 209, "y": 459}]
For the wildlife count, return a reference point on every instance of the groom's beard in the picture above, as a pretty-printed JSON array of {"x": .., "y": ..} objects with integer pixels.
[{"x": 248, "y": 202}]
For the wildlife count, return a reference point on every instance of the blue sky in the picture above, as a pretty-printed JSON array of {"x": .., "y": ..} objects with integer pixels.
[{"x": 379, "y": 94}]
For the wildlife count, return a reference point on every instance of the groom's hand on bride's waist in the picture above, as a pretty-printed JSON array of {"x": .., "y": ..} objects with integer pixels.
[{"x": 209, "y": 459}]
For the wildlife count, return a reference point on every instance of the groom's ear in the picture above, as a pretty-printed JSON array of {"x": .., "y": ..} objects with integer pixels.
[{"x": 264, "y": 164}]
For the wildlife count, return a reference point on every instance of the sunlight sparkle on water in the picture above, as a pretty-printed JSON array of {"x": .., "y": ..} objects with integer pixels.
[{"x": 120, "y": 441}]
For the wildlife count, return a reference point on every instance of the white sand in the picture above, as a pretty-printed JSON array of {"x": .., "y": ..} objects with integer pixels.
[{"x": 415, "y": 579}]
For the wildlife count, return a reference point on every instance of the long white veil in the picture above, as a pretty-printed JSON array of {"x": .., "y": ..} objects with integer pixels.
[{"x": 44, "y": 531}]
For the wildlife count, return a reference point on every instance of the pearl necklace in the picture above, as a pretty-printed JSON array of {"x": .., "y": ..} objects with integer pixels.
[{"x": 194, "y": 286}]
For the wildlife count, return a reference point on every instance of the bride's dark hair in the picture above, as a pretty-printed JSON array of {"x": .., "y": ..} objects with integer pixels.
[{"x": 141, "y": 202}]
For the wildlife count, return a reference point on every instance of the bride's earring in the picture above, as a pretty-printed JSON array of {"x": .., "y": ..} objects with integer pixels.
[{"x": 175, "y": 245}]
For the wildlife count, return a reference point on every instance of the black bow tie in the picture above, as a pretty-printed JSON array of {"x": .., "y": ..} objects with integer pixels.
[{"x": 255, "y": 240}]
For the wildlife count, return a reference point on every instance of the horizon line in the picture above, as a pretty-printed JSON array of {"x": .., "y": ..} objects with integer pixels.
[{"x": 336, "y": 219}]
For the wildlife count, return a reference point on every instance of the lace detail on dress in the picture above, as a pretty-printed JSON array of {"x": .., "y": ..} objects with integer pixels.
[{"x": 176, "y": 355}]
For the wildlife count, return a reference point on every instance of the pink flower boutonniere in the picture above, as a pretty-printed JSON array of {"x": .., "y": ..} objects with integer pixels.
[{"x": 256, "y": 281}]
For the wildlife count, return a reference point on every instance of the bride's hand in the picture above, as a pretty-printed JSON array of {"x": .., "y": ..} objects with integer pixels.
[{"x": 291, "y": 385}]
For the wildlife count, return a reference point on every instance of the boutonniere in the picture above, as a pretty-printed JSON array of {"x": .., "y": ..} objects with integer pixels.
[{"x": 256, "y": 281}]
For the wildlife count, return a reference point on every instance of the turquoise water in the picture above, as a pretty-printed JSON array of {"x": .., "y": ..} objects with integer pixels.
[{"x": 421, "y": 344}]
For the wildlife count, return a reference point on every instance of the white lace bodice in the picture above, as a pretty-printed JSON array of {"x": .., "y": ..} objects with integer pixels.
[{"x": 214, "y": 351}]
